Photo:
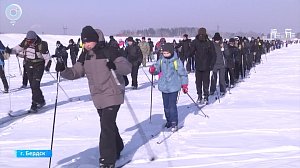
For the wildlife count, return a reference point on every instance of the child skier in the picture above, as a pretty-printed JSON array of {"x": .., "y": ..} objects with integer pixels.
[{"x": 172, "y": 77}]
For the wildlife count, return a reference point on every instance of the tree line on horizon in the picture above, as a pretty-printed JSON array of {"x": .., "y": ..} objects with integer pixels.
[{"x": 191, "y": 31}]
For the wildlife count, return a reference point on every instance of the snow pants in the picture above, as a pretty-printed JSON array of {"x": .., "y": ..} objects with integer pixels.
[
  {"x": 111, "y": 143},
  {"x": 170, "y": 107},
  {"x": 202, "y": 79},
  {"x": 35, "y": 71}
]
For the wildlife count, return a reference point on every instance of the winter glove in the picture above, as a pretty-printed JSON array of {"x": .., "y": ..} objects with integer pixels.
[
  {"x": 47, "y": 67},
  {"x": 60, "y": 66},
  {"x": 8, "y": 50},
  {"x": 152, "y": 69},
  {"x": 185, "y": 88},
  {"x": 111, "y": 65}
]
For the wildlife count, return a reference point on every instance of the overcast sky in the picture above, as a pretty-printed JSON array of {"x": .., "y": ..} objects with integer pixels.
[{"x": 112, "y": 16}]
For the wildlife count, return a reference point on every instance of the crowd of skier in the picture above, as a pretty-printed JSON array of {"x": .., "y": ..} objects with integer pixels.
[{"x": 106, "y": 65}]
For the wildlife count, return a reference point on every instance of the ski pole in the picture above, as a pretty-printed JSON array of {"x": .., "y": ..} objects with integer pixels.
[
  {"x": 54, "y": 116},
  {"x": 140, "y": 129},
  {"x": 10, "y": 110},
  {"x": 197, "y": 105},
  {"x": 19, "y": 67},
  {"x": 151, "y": 94},
  {"x": 213, "y": 76},
  {"x": 148, "y": 77},
  {"x": 243, "y": 73},
  {"x": 229, "y": 80},
  {"x": 60, "y": 87}
]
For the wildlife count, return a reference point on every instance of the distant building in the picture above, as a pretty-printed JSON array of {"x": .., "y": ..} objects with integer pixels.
[{"x": 287, "y": 34}]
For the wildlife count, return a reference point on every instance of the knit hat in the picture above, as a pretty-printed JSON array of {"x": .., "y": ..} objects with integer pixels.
[
  {"x": 202, "y": 31},
  {"x": 162, "y": 40},
  {"x": 169, "y": 47},
  {"x": 231, "y": 40},
  {"x": 58, "y": 42},
  {"x": 31, "y": 35},
  {"x": 130, "y": 39},
  {"x": 185, "y": 35},
  {"x": 89, "y": 34},
  {"x": 217, "y": 37}
]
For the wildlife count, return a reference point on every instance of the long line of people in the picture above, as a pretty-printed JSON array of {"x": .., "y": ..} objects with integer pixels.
[{"x": 228, "y": 62}]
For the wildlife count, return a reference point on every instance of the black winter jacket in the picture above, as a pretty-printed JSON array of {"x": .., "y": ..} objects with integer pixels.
[
  {"x": 220, "y": 59},
  {"x": 186, "y": 48},
  {"x": 74, "y": 49},
  {"x": 232, "y": 54},
  {"x": 205, "y": 55},
  {"x": 134, "y": 54}
]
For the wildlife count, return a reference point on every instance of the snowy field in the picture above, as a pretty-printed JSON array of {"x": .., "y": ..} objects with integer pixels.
[{"x": 257, "y": 125}]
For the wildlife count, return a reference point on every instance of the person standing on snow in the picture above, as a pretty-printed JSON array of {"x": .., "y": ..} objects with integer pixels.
[
  {"x": 61, "y": 52},
  {"x": 151, "y": 46},
  {"x": 233, "y": 51},
  {"x": 74, "y": 49},
  {"x": 185, "y": 45},
  {"x": 2, "y": 74},
  {"x": 145, "y": 48},
  {"x": 172, "y": 77},
  {"x": 134, "y": 55},
  {"x": 98, "y": 62},
  {"x": 37, "y": 59},
  {"x": 219, "y": 66},
  {"x": 205, "y": 58}
]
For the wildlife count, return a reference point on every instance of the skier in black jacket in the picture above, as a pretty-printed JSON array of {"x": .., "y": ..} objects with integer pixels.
[
  {"x": 151, "y": 45},
  {"x": 74, "y": 49},
  {"x": 185, "y": 45},
  {"x": 61, "y": 52},
  {"x": 219, "y": 67},
  {"x": 205, "y": 58},
  {"x": 134, "y": 55},
  {"x": 230, "y": 63}
]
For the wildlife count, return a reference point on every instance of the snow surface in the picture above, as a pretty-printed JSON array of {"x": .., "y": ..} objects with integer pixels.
[{"x": 257, "y": 125}]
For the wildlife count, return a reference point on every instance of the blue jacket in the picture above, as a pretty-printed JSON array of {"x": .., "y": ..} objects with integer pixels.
[
  {"x": 1, "y": 57},
  {"x": 171, "y": 77},
  {"x": 2, "y": 48}
]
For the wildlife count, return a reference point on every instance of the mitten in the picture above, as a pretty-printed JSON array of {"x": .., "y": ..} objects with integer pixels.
[
  {"x": 185, "y": 88},
  {"x": 152, "y": 69}
]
